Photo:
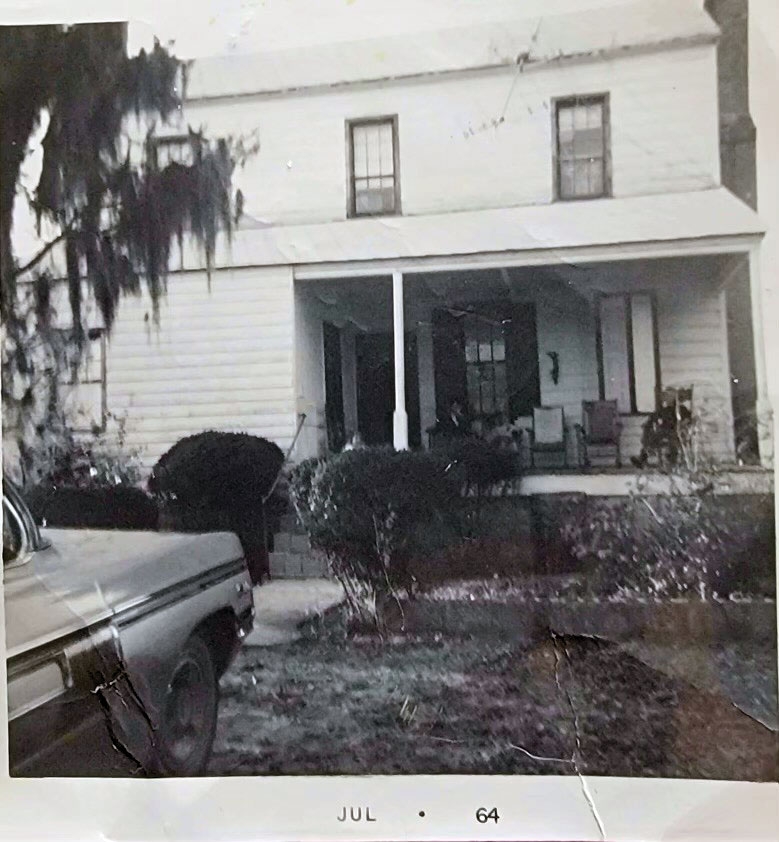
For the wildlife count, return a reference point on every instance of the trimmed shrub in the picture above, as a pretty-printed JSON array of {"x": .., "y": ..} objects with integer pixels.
[
  {"x": 221, "y": 478},
  {"x": 372, "y": 511},
  {"x": 218, "y": 470},
  {"x": 111, "y": 507}
]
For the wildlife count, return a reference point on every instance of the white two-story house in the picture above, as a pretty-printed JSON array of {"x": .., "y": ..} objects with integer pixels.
[{"x": 510, "y": 215}]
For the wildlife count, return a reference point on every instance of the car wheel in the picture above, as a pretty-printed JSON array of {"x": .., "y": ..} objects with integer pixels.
[{"x": 188, "y": 726}]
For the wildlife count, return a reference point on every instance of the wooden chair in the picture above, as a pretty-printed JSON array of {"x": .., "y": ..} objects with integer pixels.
[
  {"x": 601, "y": 427},
  {"x": 548, "y": 433}
]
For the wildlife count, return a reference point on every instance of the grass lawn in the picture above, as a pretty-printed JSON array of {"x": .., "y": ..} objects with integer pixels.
[{"x": 425, "y": 706}]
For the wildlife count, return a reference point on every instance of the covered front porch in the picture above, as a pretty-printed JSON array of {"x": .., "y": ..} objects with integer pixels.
[{"x": 386, "y": 356}]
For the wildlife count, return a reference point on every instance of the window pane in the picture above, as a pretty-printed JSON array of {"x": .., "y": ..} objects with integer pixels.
[
  {"x": 388, "y": 199},
  {"x": 581, "y": 178},
  {"x": 595, "y": 115},
  {"x": 499, "y": 350},
  {"x": 485, "y": 352},
  {"x": 589, "y": 143},
  {"x": 500, "y": 387},
  {"x": 471, "y": 351},
  {"x": 565, "y": 122},
  {"x": 596, "y": 178},
  {"x": 580, "y": 118},
  {"x": 387, "y": 163},
  {"x": 474, "y": 398},
  {"x": 566, "y": 179},
  {"x": 359, "y": 153}
]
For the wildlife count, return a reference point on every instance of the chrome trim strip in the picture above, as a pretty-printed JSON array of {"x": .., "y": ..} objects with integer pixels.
[{"x": 181, "y": 590}]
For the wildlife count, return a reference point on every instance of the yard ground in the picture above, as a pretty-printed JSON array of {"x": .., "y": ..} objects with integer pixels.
[{"x": 436, "y": 706}]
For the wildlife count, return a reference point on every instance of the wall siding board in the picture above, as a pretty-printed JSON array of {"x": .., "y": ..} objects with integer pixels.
[{"x": 225, "y": 363}]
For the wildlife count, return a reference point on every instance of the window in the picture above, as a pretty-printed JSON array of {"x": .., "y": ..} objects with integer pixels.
[
  {"x": 485, "y": 365},
  {"x": 628, "y": 357},
  {"x": 373, "y": 151},
  {"x": 175, "y": 149},
  {"x": 582, "y": 147},
  {"x": 84, "y": 385}
]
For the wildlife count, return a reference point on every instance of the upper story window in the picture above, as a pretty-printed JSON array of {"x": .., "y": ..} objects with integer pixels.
[
  {"x": 175, "y": 149},
  {"x": 582, "y": 147},
  {"x": 374, "y": 181}
]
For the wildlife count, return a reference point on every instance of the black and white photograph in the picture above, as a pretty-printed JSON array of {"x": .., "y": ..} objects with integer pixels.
[{"x": 387, "y": 390}]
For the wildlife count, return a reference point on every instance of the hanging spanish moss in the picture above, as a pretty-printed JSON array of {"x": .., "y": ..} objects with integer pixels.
[{"x": 115, "y": 210}]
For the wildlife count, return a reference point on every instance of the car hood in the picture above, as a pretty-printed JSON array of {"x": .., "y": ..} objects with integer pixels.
[{"x": 86, "y": 576}]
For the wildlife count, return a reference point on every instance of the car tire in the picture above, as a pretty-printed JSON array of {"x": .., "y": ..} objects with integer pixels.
[{"x": 188, "y": 726}]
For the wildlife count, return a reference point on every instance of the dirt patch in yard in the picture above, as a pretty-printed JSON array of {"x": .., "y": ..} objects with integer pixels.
[{"x": 427, "y": 706}]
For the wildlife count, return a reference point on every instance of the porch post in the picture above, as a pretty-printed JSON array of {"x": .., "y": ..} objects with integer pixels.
[
  {"x": 399, "y": 417},
  {"x": 765, "y": 421}
]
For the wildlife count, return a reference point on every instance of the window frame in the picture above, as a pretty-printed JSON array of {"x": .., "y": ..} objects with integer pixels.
[
  {"x": 94, "y": 334},
  {"x": 571, "y": 101},
  {"x": 158, "y": 141},
  {"x": 627, "y": 296},
  {"x": 351, "y": 192}
]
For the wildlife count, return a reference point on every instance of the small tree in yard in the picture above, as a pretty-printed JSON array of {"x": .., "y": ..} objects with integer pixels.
[
  {"x": 684, "y": 541},
  {"x": 371, "y": 511},
  {"x": 106, "y": 202}
]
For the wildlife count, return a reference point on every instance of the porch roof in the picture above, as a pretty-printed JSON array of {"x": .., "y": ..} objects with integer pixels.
[{"x": 701, "y": 216}]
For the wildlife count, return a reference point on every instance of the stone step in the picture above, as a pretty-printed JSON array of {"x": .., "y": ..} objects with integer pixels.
[{"x": 289, "y": 565}]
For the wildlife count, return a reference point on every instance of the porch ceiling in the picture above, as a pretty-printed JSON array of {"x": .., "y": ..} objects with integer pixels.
[{"x": 367, "y": 302}]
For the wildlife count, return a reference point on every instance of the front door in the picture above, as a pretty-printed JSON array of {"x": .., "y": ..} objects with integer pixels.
[{"x": 376, "y": 388}]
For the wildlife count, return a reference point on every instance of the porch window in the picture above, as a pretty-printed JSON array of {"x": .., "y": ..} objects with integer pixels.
[
  {"x": 373, "y": 150},
  {"x": 581, "y": 127},
  {"x": 485, "y": 366},
  {"x": 628, "y": 356},
  {"x": 84, "y": 385}
]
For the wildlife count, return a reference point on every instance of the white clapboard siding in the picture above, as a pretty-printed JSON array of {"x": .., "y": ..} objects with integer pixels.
[
  {"x": 663, "y": 118},
  {"x": 219, "y": 358},
  {"x": 694, "y": 351}
]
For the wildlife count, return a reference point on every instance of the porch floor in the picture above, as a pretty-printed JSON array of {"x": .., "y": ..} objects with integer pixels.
[{"x": 618, "y": 481}]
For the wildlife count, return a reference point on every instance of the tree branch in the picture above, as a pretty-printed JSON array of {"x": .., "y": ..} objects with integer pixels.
[{"x": 33, "y": 262}]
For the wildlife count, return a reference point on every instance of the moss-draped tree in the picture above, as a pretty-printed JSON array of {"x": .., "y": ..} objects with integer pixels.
[{"x": 115, "y": 211}]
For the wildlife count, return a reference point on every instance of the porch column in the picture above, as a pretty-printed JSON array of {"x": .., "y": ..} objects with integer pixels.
[
  {"x": 399, "y": 417},
  {"x": 765, "y": 421}
]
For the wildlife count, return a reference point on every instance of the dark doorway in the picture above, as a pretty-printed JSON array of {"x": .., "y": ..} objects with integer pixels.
[
  {"x": 334, "y": 393},
  {"x": 376, "y": 388}
]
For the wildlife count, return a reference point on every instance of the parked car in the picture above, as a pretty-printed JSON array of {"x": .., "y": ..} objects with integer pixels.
[{"x": 115, "y": 644}]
